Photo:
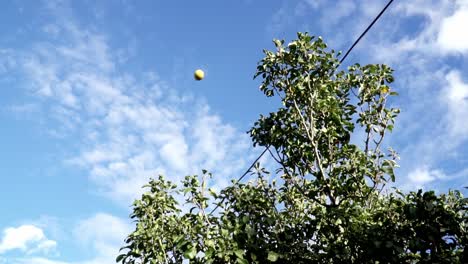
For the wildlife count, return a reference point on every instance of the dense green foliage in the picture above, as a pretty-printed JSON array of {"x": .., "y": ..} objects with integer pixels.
[{"x": 325, "y": 203}]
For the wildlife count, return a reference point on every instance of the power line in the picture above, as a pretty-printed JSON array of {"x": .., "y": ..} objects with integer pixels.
[
  {"x": 341, "y": 61},
  {"x": 241, "y": 177},
  {"x": 365, "y": 31}
]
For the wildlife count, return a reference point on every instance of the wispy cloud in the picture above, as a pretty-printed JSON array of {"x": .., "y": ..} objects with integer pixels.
[
  {"x": 455, "y": 96},
  {"x": 128, "y": 126},
  {"x": 131, "y": 126},
  {"x": 421, "y": 176},
  {"x": 35, "y": 260},
  {"x": 101, "y": 233},
  {"x": 27, "y": 238},
  {"x": 433, "y": 94},
  {"x": 452, "y": 37},
  {"x": 104, "y": 233}
]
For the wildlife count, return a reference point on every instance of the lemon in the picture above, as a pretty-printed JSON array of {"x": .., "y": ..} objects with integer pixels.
[{"x": 199, "y": 75}]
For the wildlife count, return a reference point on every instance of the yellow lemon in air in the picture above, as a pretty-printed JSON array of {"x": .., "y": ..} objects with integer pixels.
[{"x": 199, "y": 75}]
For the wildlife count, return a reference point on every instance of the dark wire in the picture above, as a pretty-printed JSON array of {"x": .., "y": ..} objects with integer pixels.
[
  {"x": 341, "y": 61},
  {"x": 243, "y": 175},
  {"x": 365, "y": 31}
]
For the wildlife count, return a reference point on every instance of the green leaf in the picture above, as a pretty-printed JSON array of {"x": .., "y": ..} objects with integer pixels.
[
  {"x": 120, "y": 257},
  {"x": 242, "y": 261},
  {"x": 190, "y": 253},
  {"x": 272, "y": 256},
  {"x": 239, "y": 253}
]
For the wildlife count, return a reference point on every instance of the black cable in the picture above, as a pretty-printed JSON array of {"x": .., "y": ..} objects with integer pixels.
[
  {"x": 341, "y": 61},
  {"x": 367, "y": 29},
  {"x": 243, "y": 175}
]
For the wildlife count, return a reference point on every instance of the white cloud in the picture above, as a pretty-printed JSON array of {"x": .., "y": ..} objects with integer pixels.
[
  {"x": 452, "y": 36},
  {"x": 101, "y": 233},
  {"x": 442, "y": 31},
  {"x": 104, "y": 233},
  {"x": 423, "y": 175},
  {"x": 212, "y": 137},
  {"x": 27, "y": 238},
  {"x": 174, "y": 153},
  {"x": 130, "y": 126},
  {"x": 426, "y": 177},
  {"x": 456, "y": 98},
  {"x": 332, "y": 14},
  {"x": 35, "y": 260},
  {"x": 46, "y": 247}
]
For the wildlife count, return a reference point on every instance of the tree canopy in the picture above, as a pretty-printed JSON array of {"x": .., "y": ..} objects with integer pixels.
[{"x": 325, "y": 203}]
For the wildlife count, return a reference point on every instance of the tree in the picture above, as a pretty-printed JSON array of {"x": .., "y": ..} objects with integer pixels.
[{"x": 325, "y": 203}]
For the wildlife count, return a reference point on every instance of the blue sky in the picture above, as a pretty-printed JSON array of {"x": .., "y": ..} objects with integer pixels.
[{"x": 98, "y": 96}]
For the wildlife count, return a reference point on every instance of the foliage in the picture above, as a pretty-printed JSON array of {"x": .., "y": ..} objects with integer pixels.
[{"x": 327, "y": 204}]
